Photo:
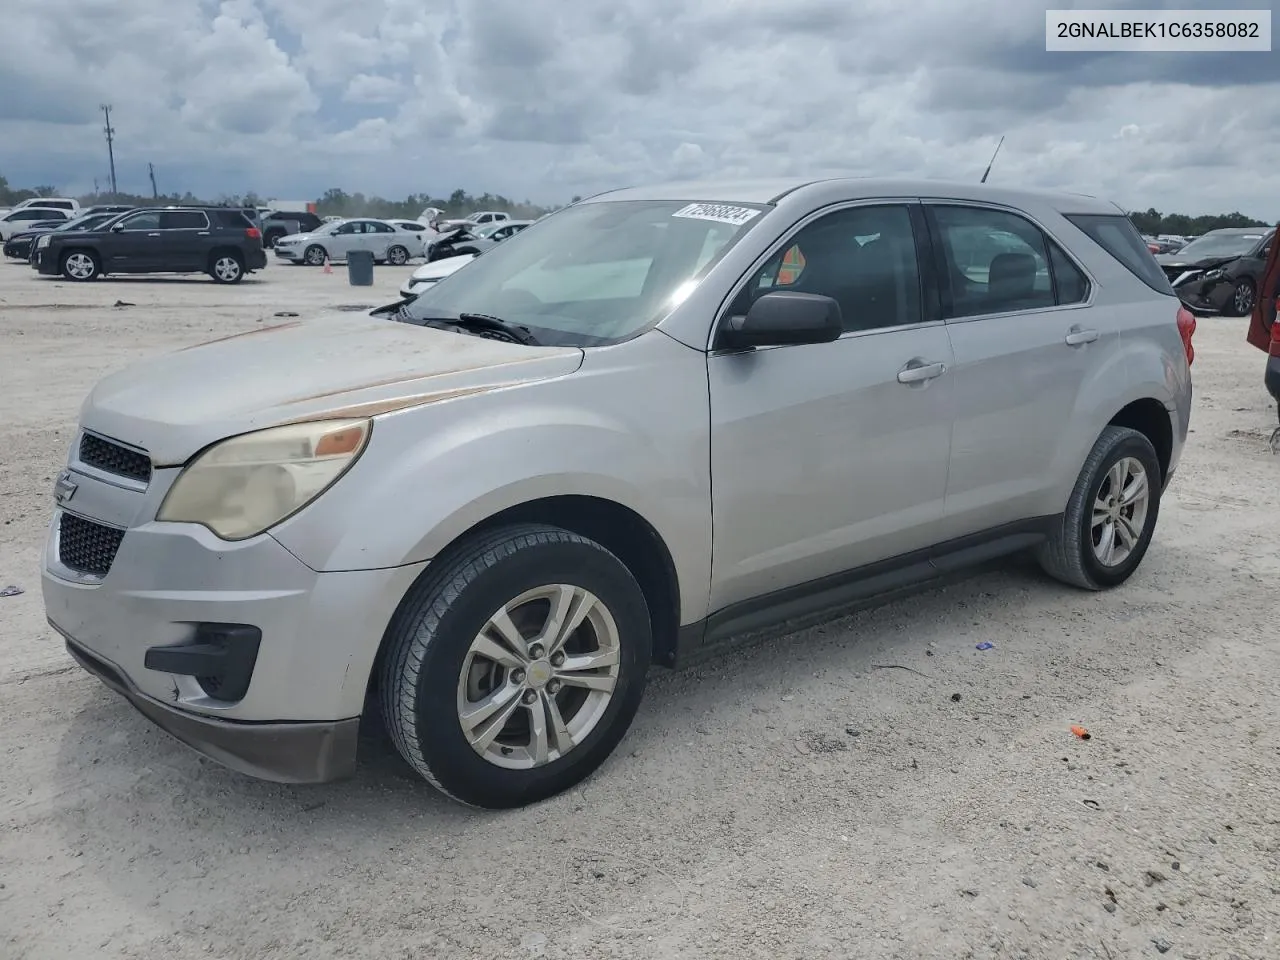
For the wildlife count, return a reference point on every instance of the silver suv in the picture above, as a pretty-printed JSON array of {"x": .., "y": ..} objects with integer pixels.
[{"x": 650, "y": 422}]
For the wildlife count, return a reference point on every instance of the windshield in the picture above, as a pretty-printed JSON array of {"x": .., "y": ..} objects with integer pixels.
[
  {"x": 86, "y": 222},
  {"x": 594, "y": 273},
  {"x": 1222, "y": 245}
]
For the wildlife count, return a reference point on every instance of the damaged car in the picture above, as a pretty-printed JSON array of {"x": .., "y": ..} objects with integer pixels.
[
  {"x": 1220, "y": 272},
  {"x": 1265, "y": 335}
]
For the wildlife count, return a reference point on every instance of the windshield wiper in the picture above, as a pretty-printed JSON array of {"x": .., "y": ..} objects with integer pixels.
[{"x": 483, "y": 321}]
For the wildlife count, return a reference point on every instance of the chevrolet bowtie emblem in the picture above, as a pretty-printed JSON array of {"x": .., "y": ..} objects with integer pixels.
[{"x": 65, "y": 488}]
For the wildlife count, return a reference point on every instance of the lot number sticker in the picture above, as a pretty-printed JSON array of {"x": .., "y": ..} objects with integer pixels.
[{"x": 719, "y": 212}]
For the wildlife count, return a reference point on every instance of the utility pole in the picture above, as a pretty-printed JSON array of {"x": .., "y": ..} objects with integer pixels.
[
  {"x": 155, "y": 194},
  {"x": 111, "y": 154}
]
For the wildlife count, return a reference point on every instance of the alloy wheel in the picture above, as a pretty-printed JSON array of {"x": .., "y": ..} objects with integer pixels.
[
  {"x": 538, "y": 677},
  {"x": 1120, "y": 511},
  {"x": 227, "y": 269},
  {"x": 80, "y": 266},
  {"x": 1242, "y": 299}
]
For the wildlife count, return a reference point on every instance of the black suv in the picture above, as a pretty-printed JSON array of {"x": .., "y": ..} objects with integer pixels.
[
  {"x": 218, "y": 241},
  {"x": 275, "y": 225}
]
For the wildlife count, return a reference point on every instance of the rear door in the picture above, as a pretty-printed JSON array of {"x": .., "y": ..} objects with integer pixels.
[
  {"x": 135, "y": 246},
  {"x": 379, "y": 236},
  {"x": 185, "y": 240},
  {"x": 1016, "y": 307}
]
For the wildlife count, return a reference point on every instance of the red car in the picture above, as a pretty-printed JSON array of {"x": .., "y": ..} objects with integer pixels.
[{"x": 1264, "y": 332}]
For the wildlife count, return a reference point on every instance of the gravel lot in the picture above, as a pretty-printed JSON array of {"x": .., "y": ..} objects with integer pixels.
[{"x": 869, "y": 787}]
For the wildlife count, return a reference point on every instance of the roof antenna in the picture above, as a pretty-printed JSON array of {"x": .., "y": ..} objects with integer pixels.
[{"x": 993, "y": 160}]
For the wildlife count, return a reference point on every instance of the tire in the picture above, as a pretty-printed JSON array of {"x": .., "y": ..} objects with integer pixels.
[
  {"x": 430, "y": 673},
  {"x": 226, "y": 267},
  {"x": 1071, "y": 554},
  {"x": 315, "y": 255},
  {"x": 1243, "y": 296},
  {"x": 270, "y": 237},
  {"x": 81, "y": 265},
  {"x": 397, "y": 256}
]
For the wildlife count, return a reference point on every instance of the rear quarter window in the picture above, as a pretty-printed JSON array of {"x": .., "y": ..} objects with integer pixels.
[
  {"x": 1117, "y": 235},
  {"x": 232, "y": 219}
]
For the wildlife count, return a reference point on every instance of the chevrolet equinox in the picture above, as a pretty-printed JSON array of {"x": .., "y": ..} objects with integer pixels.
[{"x": 653, "y": 421}]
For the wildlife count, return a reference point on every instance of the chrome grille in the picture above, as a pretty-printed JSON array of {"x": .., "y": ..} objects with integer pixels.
[
  {"x": 85, "y": 546},
  {"x": 113, "y": 458}
]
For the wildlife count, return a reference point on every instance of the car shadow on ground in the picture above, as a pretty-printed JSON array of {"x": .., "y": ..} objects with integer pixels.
[{"x": 155, "y": 280}]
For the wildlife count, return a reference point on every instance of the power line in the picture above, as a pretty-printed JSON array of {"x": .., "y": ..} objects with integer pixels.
[{"x": 111, "y": 154}]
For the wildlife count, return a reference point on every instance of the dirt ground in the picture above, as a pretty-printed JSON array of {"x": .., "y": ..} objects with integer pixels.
[{"x": 871, "y": 787}]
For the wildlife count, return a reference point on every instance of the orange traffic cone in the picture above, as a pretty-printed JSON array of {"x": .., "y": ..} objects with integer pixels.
[{"x": 327, "y": 268}]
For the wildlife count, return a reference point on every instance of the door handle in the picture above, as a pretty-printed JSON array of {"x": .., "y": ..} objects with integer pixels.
[
  {"x": 153, "y": 234},
  {"x": 203, "y": 233},
  {"x": 1078, "y": 337},
  {"x": 921, "y": 372}
]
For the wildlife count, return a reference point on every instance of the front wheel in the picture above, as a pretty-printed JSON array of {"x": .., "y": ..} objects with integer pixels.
[
  {"x": 314, "y": 255},
  {"x": 516, "y": 665},
  {"x": 1111, "y": 516},
  {"x": 1242, "y": 297},
  {"x": 397, "y": 256},
  {"x": 81, "y": 265}
]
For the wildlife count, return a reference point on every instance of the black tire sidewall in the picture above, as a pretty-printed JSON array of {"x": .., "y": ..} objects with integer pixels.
[
  {"x": 1132, "y": 444},
  {"x": 1243, "y": 282},
  {"x": 462, "y": 772}
]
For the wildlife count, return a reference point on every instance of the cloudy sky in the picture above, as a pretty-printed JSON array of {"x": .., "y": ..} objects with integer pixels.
[{"x": 542, "y": 99}]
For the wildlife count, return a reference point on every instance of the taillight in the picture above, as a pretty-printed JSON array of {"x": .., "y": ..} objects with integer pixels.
[
  {"x": 253, "y": 233},
  {"x": 1186, "y": 327}
]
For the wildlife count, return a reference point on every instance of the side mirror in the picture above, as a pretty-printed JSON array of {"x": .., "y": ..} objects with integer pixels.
[
  {"x": 785, "y": 317},
  {"x": 117, "y": 228}
]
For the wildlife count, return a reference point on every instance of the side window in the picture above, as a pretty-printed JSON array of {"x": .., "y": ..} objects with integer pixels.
[
  {"x": 378, "y": 228},
  {"x": 183, "y": 220},
  {"x": 1070, "y": 284},
  {"x": 864, "y": 258},
  {"x": 150, "y": 220},
  {"x": 348, "y": 228},
  {"x": 995, "y": 262}
]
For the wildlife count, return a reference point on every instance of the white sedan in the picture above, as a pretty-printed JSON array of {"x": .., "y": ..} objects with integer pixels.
[
  {"x": 429, "y": 274},
  {"x": 387, "y": 242}
]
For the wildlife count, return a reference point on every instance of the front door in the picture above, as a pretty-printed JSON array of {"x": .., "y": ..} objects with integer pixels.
[
  {"x": 135, "y": 245},
  {"x": 827, "y": 457},
  {"x": 344, "y": 239},
  {"x": 1023, "y": 349}
]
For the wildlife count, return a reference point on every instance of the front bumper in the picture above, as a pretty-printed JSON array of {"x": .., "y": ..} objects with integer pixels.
[
  {"x": 292, "y": 254},
  {"x": 1207, "y": 297},
  {"x": 18, "y": 249},
  {"x": 122, "y": 585},
  {"x": 315, "y": 752}
]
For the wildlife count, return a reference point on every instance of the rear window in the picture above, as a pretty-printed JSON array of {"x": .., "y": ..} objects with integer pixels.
[
  {"x": 232, "y": 219},
  {"x": 1117, "y": 235},
  {"x": 183, "y": 220}
]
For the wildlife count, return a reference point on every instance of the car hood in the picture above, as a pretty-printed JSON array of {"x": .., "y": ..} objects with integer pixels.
[
  {"x": 1194, "y": 263},
  {"x": 442, "y": 268},
  {"x": 336, "y": 365}
]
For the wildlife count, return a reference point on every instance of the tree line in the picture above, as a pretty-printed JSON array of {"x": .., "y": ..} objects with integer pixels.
[
  {"x": 337, "y": 202},
  {"x": 333, "y": 202}
]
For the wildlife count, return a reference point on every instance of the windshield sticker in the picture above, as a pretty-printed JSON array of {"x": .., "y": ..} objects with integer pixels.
[{"x": 719, "y": 212}]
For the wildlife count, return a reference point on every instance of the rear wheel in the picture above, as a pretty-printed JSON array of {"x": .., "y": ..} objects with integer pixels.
[
  {"x": 314, "y": 255},
  {"x": 226, "y": 268},
  {"x": 397, "y": 256},
  {"x": 516, "y": 665},
  {"x": 80, "y": 265},
  {"x": 1111, "y": 516}
]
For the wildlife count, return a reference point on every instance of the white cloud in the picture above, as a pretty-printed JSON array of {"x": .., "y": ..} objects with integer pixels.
[{"x": 542, "y": 99}]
